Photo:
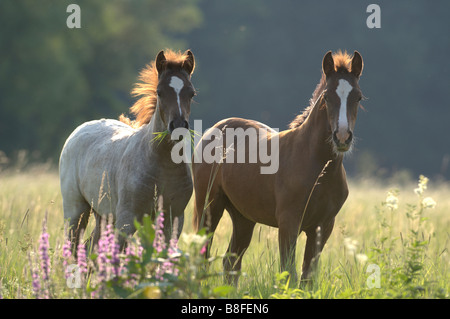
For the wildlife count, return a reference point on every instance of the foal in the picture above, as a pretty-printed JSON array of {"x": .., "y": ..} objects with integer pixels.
[
  {"x": 290, "y": 199},
  {"x": 112, "y": 167}
]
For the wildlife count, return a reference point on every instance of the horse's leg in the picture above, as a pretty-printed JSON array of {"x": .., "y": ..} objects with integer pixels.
[
  {"x": 287, "y": 241},
  {"x": 315, "y": 242},
  {"x": 240, "y": 240},
  {"x": 173, "y": 216},
  {"x": 96, "y": 233},
  {"x": 124, "y": 222},
  {"x": 209, "y": 214},
  {"x": 76, "y": 212},
  {"x": 213, "y": 214},
  {"x": 125, "y": 226},
  {"x": 199, "y": 211}
]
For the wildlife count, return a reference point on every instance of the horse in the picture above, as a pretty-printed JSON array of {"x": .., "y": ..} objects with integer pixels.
[
  {"x": 116, "y": 168},
  {"x": 309, "y": 187}
]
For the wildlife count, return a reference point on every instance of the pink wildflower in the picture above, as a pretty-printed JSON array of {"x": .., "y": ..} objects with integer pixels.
[
  {"x": 36, "y": 281},
  {"x": 43, "y": 252},
  {"x": 81, "y": 258},
  {"x": 102, "y": 259},
  {"x": 67, "y": 253},
  {"x": 159, "y": 242},
  {"x": 203, "y": 250}
]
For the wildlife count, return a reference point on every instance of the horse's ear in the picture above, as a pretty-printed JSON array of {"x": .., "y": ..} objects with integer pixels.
[
  {"x": 357, "y": 64},
  {"x": 160, "y": 59},
  {"x": 328, "y": 64},
  {"x": 189, "y": 63}
]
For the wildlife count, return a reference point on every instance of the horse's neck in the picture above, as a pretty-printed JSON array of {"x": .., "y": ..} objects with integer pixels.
[
  {"x": 317, "y": 130},
  {"x": 158, "y": 145},
  {"x": 156, "y": 124}
]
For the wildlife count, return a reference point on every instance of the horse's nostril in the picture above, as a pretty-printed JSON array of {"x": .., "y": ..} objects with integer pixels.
[
  {"x": 339, "y": 138},
  {"x": 350, "y": 137},
  {"x": 171, "y": 126},
  {"x": 335, "y": 138},
  {"x": 178, "y": 123}
]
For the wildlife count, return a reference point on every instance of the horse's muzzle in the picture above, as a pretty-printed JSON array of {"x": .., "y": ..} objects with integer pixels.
[
  {"x": 343, "y": 141},
  {"x": 178, "y": 123}
]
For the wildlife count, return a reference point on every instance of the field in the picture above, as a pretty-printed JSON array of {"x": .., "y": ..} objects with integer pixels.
[{"x": 389, "y": 241}]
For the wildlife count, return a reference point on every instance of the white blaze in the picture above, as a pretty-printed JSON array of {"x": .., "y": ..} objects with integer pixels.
[
  {"x": 343, "y": 90},
  {"x": 177, "y": 84}
]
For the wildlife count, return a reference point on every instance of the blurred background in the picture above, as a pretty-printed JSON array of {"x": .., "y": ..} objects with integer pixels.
[{"x": 257, "y": 59}]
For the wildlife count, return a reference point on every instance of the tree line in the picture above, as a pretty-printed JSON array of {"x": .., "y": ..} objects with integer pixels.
[{"x": 258, "y": 59}]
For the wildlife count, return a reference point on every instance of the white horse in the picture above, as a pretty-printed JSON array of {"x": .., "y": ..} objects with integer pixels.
[{"x": 113, "y": 167}]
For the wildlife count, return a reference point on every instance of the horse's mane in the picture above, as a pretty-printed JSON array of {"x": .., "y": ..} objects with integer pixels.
[
  {"x": 342, "y": 63},
  {"x": 144, "y": 108}
]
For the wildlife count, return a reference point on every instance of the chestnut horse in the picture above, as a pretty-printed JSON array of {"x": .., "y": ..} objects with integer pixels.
[
  {"x": 112, "y": 167},
  {"x": 310, "y": 186}
]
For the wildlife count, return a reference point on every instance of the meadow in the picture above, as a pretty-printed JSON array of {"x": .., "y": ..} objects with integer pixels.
[{"x": 389, "y": 241}]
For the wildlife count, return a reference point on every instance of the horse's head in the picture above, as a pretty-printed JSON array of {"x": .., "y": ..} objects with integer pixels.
[
  {"x": 342, "y": 96},
  {"x": 175, "y": 90}
]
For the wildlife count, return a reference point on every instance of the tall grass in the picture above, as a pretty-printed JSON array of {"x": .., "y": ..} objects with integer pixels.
[
  {"x": 388, "y": 242},
  {"x": 25, "y": 200}
]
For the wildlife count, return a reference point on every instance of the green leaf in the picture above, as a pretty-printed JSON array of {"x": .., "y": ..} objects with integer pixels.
[{"x": 223, "y": 291}]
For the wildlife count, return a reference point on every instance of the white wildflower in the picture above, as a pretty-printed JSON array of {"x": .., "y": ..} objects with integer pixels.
[
  {"x": 362, "y": 258},
  {"x": 350, "y": 245},
  {"x": 192, "y": 238},
  {"x": 428, "y": 202},
  {"x": 423, "y": 181},
  {"x": 392, "y": 200}
]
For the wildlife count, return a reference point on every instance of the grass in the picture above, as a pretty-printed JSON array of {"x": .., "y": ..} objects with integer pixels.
[{"x": 379, "y": 248}]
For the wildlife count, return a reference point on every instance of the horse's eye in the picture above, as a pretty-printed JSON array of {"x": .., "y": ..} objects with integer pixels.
[{"x": 158, "y": 92}]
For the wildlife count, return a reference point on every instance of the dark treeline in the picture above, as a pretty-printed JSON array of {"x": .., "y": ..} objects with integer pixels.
[{"x": 255, "y": 59}]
